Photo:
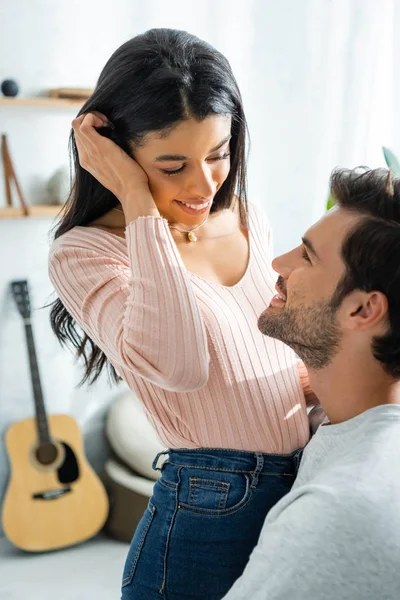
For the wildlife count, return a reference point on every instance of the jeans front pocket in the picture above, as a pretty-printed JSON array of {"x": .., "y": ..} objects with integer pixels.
[
  {"x": 137, "y": 545},
  {"x": 208, "y": 493},
  {"x": 213, "y": 492}
]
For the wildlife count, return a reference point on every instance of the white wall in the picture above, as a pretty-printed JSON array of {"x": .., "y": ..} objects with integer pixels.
[
  {"x": 396, "y": 79},
  {"x": 314, "y": 75},
  {"x": 297, "y": 62}
]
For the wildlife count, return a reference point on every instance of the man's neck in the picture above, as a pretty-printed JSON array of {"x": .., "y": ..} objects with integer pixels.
[{"x": 349, "y": 386}]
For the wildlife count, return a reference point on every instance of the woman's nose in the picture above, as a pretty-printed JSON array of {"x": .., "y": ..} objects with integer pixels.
[{"x": 202, "y": 184}]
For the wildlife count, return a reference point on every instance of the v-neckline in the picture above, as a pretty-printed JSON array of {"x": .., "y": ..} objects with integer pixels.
[{"x": 192, "y": 273}]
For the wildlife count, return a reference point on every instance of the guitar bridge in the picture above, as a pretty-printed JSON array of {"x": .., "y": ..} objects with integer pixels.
[{"x": 52, "y": 494}]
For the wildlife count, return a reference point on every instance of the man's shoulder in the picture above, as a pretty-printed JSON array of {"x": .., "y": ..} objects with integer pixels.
[
  {"x": 360, "y": 451},
  {"x": 340, "y": 512},
  {"x": 353, "y": 476}
]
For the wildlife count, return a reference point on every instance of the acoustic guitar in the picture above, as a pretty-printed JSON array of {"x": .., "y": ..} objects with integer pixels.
[{"x": 54, "y": 498}]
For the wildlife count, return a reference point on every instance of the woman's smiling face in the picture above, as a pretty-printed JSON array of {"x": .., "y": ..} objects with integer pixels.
[{"x": 186, "y": 167}]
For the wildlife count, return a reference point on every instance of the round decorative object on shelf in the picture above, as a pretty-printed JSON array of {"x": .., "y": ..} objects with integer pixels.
[
  {"x": 59, "y": 186},
  {"x": 9, "y": 87}
]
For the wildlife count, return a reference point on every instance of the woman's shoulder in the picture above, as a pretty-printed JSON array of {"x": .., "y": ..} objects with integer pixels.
[
  {"x": 260, "y": 229},
  {"x": 258, "y": 220},
  {"x": 256, "y": 214},
  {"x": 82, "y": 239},
  {"x": 87, "y": 253}
]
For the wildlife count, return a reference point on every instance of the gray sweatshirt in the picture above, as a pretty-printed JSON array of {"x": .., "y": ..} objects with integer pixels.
[{"x": 336, "y": 535}]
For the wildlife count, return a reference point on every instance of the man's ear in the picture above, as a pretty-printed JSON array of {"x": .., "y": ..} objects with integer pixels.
[{"x": 364, "y": 310}]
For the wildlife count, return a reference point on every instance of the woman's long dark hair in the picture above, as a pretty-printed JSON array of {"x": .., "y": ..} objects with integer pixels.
[{"x": 151, "y": 83}]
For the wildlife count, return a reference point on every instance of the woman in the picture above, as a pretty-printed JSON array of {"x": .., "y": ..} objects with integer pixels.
[{"x": 165, "y": 269}]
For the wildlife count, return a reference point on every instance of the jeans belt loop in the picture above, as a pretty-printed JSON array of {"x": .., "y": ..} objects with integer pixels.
[
  {"x": 155, "y": 466},
  {"x": 258, "y": 469},
  {"x": 297, "y": 458}
]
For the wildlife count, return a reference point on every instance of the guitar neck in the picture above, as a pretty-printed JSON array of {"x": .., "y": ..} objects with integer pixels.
[{"x": 41, "y": 416}]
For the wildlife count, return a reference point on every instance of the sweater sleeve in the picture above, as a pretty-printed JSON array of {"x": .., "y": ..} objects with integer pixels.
[
  {"x": 305, "y": 383},
  {"x": 141, "y": 312}
]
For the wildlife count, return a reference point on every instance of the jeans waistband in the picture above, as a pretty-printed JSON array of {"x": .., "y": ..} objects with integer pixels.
[{"x": 238, "y": 461}]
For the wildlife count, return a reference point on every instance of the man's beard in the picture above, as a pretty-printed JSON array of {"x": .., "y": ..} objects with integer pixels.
[{"x": 311, "y": 331}]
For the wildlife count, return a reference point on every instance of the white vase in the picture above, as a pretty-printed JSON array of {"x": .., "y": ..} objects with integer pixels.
[{"x": 58, "y": 186}]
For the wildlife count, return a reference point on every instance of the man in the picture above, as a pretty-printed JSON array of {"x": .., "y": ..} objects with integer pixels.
[{"x": 336, "y": 535}]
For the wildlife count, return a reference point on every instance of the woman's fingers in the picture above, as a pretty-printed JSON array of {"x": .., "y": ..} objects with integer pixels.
[
  {"x": 87, "y": 128},
  {"x": 96, "y": 153},
  {"x": 89, "y": 121},
  {"x": 103, "y": 119},
  {"x": 76, "y": 123},
  {"x": 104, "y": 159},
  {"x": 87, "y": 138}
]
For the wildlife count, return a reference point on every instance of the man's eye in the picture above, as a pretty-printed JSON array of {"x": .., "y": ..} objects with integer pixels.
[{"x": 305, "y": 255}]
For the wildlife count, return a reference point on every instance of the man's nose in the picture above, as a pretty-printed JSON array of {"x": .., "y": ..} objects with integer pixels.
[{"x": 281, "y": 265}]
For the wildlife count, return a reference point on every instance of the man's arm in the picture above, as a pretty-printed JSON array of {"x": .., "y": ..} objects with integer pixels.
[{"x": 311, "y": 547}]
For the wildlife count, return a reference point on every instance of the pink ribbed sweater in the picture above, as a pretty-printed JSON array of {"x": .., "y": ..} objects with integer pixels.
[{"x": 189, "y": 348}]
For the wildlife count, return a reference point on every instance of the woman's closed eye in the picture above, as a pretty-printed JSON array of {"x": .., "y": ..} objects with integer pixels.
[{"x": 224, "y": 156}]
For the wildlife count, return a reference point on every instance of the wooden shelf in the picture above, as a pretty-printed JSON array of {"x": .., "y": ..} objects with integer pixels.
[
  {"x": 42, "y": 102},
  {"x": 38, "y": 210}
]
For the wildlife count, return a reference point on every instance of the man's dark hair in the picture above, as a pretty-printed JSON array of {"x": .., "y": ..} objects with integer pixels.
[{"x": 371, "y": 251}]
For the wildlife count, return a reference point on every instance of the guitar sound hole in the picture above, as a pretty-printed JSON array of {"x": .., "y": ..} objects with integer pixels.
[{"x": 46, "y": 453}]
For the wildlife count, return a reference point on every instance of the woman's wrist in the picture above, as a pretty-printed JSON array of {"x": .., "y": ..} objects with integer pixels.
[{"x": 138, "y": 203}]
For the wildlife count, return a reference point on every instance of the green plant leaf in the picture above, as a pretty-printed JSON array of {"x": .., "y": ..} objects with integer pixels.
[
  {"x": 391, "y": 161},
  {"x": 330, "y": 202}
]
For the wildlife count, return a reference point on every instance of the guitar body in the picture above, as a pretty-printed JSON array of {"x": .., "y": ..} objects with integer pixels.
[{"x": 53, "y": 499}]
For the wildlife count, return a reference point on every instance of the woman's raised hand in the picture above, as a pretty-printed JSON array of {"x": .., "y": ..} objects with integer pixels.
[{"x": 112, "y": 166}]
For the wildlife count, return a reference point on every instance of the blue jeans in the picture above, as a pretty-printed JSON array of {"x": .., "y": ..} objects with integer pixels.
[{"x": 203, "y": 521}]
